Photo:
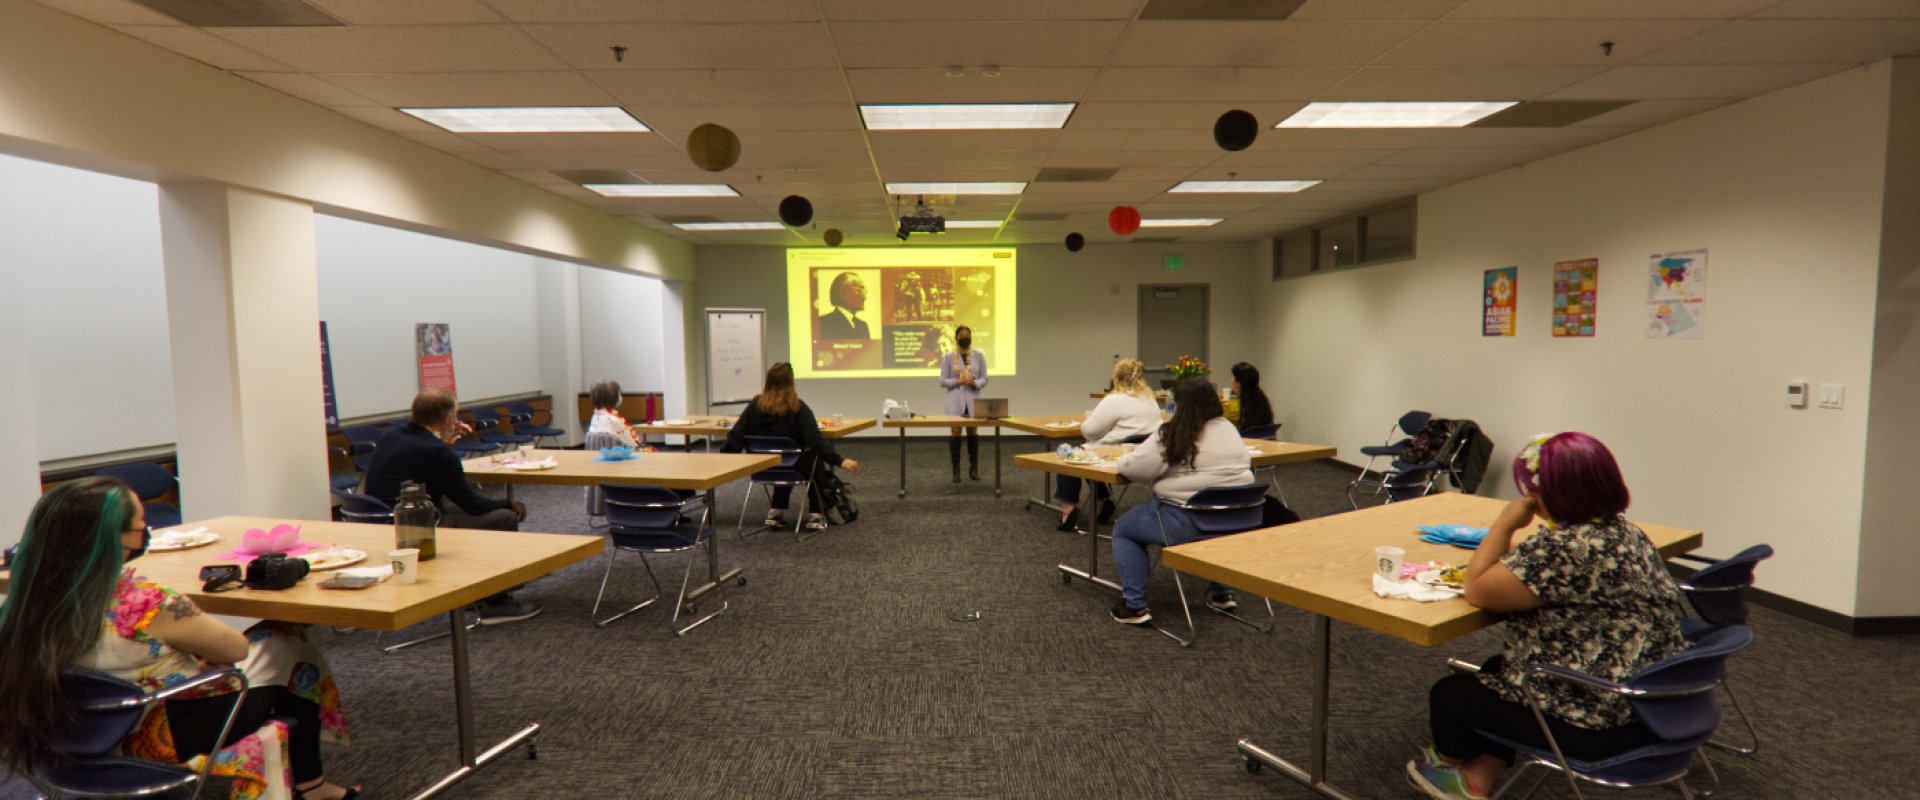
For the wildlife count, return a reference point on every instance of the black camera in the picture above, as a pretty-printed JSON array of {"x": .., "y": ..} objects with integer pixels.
[{"x": 276, "y": 571}]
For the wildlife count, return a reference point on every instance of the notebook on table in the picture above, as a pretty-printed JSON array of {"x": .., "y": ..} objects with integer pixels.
[{"x": 989, "y": 408}]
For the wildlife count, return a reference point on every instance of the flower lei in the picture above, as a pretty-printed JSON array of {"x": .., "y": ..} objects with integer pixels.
[{"x": 1531, "y": 455}]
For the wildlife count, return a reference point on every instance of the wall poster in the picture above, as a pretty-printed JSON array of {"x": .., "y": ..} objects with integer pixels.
[
  {"x": 433, "y": 344},
  {"x": 1575, "y": 286},
  {"x": 1677, "y": 295},
  {"x": 326, "y": 379},
  {"x": 1497, "y": 298}
]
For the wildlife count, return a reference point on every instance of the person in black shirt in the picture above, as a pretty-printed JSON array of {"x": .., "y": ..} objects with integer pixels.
[{"x": 778, "y": 411}]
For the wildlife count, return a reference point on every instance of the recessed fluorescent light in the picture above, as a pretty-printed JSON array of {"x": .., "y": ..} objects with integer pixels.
[
  {"x": 1187, "y": 222},
  {"x": 966, "y": 116},
  {"x": 956, "y": 224},
  {"x": 730, "y": 226},
  {"x": 663, "y": 189},
  {"x": 555, "y": 119},
  {"x": 1392, "y": 115},
  {"x": 990, "y": 187},
  {"x": 1239, "y": 187}
]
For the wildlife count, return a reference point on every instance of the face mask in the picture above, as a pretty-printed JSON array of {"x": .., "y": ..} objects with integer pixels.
[
  {"x": 964, "y": 341},
  {"x": 146, "y": 538}
]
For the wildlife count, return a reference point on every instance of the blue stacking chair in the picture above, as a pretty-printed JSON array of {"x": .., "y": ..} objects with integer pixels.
[
  {"x": 1672, "y": 699},
  {"x": 786, "y": 474},
  {"x": 522, "y": 415},
  {"x": 1269, "y": 432},
  {"x": 357, "y": 507},
  {"x": 488, "y": 427},
  {"x": 1216, "y": 511},
  {"x": 647, "y": 520},
  {"x": 1718, "y": 595},
  {"x": 477, "y": 446},
  {"x": 1409, "y": 424},
  {"x": 149, "y": 481},
  {"x": 361, "y": 438},
  {"x": 106, "y": 709}
]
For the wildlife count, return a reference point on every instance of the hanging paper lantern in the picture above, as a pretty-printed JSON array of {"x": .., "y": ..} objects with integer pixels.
[
  {"x": 713, "y": 148},
  {"x": 1123, "y": 220},
  {"x": 796, "y": 211},
  {"x": 1075, "y": 242},
  {"x": 1235, "y": 130},
  {"x": 834, "y": 237}
]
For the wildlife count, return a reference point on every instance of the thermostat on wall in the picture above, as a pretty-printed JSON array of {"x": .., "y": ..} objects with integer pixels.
[{"x": 1796, "y": 395}]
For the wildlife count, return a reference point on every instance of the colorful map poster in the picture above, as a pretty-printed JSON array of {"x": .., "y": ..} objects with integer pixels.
[
  {"x": 1575, "y": 284},
  {"x": 433, "y": 346},
  {"x": 1497, "y": 301},
  {"x": 1677, "y": 295}
]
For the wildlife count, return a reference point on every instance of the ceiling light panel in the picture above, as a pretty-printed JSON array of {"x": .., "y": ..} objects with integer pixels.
[
  {"x": 730, "y": 226},
  {"x": 959, "y": 224},
  {"x": 983, "y": 187},
  {"x": 552, "y": 119},
  {"x": 966, "y": 116},
  {"x": 1240, "y": 187},
  {"x": 663, "y": 189},
  {"x": 1393, "y": 115},
  {"x": 1187, "y": 222}
]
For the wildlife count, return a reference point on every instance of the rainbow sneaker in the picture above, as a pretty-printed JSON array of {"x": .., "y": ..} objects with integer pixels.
[{"x": 1440, "y": 782}]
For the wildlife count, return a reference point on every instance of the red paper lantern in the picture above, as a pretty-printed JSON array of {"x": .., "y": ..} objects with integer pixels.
[{"x": 1123, "y": 220}]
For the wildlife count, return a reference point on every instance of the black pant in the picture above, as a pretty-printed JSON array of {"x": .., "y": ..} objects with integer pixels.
[
  {"x": 196, "y": 723},
  {"x": 1459, "y": 703},
  {"x": 809, "y": 465}
]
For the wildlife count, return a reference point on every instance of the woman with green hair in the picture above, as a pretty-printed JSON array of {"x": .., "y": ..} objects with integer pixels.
[{"x": 75, "y": 602}]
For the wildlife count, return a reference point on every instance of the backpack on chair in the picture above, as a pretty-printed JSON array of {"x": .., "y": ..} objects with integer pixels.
[{"x": 834, "y": 497}]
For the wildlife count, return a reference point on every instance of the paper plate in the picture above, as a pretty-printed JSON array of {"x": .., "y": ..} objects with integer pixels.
[
  {"x": 531, "y": 466},
  {"x": 344, "y": 557},
  {"x": 201, "y": 538}
]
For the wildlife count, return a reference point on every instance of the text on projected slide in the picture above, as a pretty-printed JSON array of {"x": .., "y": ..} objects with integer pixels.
[{"x": 873, "y": 312}]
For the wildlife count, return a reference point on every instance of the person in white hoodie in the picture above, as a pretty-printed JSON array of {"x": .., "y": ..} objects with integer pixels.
[
  {"x": 1197, "y": 449},
  {"x": 1125, "y": 412}
]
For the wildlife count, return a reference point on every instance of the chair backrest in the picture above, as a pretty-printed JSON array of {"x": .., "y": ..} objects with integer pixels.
[
  {"x": 786, "y": 448},
  {"x": 1220, "y": 510},
  {"x": 483, "y": 417},
  {"x": 640, "y": 507},
  {"x": 361, "y": 434},
  {"x": 149, "y": 480},
  {"x": 357, "y": 507},
  {"x": 1718, "y": 591},
  {"x": 1261, "y": 431},
  {"x": 1409, "y": 481},
  {"x": 1413, "y": 421},
  {"x": 1679, "y": 702},
  {"x": 1136, "y": 438},
  {"x": 105, "y": 708}
]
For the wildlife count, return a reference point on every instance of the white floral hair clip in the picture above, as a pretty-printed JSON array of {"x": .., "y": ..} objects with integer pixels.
[{"x": 1531, "y": 455}]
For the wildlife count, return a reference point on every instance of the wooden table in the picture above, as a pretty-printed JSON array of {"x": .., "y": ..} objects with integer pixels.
[
  {"x": 1049, "y": 428},
  {"x": 1323, "y": 566},
  {"x": 1108, "y": 472},
  {"x": 469, "y": 566},
  {"x": 696, "y": 471},
  {"x": 943, "y": 421},
  {"x": 711, "y": 426}
]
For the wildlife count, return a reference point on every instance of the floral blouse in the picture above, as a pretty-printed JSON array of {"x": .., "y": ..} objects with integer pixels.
[{"x": 1608, "y": 608}]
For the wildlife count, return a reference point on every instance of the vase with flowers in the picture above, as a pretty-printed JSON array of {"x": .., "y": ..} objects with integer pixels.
[{"x": 1185, "y": 368}]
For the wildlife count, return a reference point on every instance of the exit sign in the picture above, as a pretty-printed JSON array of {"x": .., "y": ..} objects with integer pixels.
[{"x": 1174, "y": 261}]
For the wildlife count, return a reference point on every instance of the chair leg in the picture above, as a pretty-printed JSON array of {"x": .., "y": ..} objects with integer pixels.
[
  {"x": 1746, "y": 721},
  {"x": 593, "y": 495},
  {"x": 595, "y": 613},
  {"x": 394, "y": 648},
  {"x": 1539, "y": 778},
  {"x": 745, "y": 498},
  {"x": 1713, "y": 775},
  {"x": 680, "y": 603},
  {"x": 806, "y": 507},
  {"x": 1179, "y": 588}
]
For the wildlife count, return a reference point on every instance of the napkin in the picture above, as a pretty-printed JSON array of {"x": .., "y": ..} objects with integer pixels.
[
  {"x": 380, "y": 573},
  {"x": 1456, "y": 535},
  {"x": 171, "y": 538},
  {"x": 1410, "y": 590}
]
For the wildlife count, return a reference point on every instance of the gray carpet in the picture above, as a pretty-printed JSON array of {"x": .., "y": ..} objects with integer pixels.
[{"x": 838, "y": 672}]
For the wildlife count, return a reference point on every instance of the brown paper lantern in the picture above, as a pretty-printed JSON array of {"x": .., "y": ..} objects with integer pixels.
[
  {"x": 1235, "y": 130},
  {"x": 713, "y": 148},
  {"x": 834, "y": 237},
  {"x": 796, "y": 211}
]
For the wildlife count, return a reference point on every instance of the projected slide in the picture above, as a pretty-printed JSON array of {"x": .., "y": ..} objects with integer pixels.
[{"x": 891, "y": 311}]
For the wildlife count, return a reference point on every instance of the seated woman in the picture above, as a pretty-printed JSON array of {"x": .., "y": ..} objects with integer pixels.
[
  {"x": 1125, "y": 412},
  {"x": 608, "y": 428},
  {"x": 1197, "y": 449},
  {"x": 778, "y": 411},
  {"x": 1587, "y": 591},
  {"x": 1249, "y": 406},
  {"x": 75, "y": 603}
]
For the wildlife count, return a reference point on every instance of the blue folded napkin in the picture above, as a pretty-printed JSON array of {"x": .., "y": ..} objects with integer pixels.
[
  {"x": 1456, "y": 535},
  {"x": 615, "y": 454}
]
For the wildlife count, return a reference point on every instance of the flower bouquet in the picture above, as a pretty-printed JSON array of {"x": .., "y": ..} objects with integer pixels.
[{"x": 1188, "y": 368}]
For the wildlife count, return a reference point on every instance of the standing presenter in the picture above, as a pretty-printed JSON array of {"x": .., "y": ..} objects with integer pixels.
[{"x": 963, "y": 373}]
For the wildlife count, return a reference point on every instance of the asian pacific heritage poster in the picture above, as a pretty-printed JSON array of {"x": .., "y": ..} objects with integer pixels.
[{"x": 1497, "y": 301}]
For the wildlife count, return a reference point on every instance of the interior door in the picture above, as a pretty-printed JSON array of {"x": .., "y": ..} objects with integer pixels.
[{"x": 1173, "y": 323}]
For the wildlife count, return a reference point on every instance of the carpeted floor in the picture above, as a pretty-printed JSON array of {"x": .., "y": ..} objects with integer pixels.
[{"x": 840, "y": 671}]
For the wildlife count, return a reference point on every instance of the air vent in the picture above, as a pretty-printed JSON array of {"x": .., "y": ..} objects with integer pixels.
[
  {"x": 242, "y": 13},
  {"x": 1550, "y": 113},
  {"x": 679, "y": 220},
  {"x": 1221, "y": 9},
  {"x": 597, "y": 176},
  {"x": 1047, "y": 217},
  {"x": 1075, "y": 175}
]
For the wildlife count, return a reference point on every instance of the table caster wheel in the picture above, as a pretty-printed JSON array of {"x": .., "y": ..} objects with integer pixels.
[
  {"x": 1066, "y": 579},
  {"x": 740, "y": 581},
  {"x": 533, "y": 751},
  {"x": 692, "y": 610},
  {"x": 1253, "y": 765}
]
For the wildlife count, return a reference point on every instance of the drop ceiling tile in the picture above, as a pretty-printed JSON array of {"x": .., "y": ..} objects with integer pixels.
[
  {"x": 1125, "y": 159},
  {"x": 1609, "y": 9},
  {"x": 493, "y": 160},
  {"x": 308, "y": 88},
  {"x": 1844, "y": 9},
  {"x": 1241, "y": 172},
  {"x": 722, "y": 86},
  {"x": 763, "y": 159},
  {"x": 1097, "y": 192},
  {"x": 1340, "y": 139},
  {"x": 1476, "y": 156},
  {"x": 1167, "y": 175},
  {"x": 1447, "y": 172},
  {"x": 632, "y": 11},
  {"x": 397, "y": 48},
  {"x": 909, "y": 45},
  {"x": 1258, "y": 43},
  {"x": 744, "y": 118},
  {"x": 1713, "y": 81},
  {"x": 960, "y": 159},
  {"x": 387, "y": 119},
  {"x": 203, "y": 47},
  {"x": 1375, "y": 9},
  {"x": 112, "y": 13},
  {"x": 1568, "y": 138},
  {"x": 1227, "y": 84},
  {"x": 411, "y": 12},
  {"x": 451, "y": 143},
  {"x": 945, "y": 174},
  {"x": 537, "y": 177},
  {"x": 1538, "y": 42},
  {"x": 1456, "y": 83},
  {"x": 1014, "y": 85},
  {"x": 637, "y": 161},
  {"x": 1194, "y": 138},
  {"x": 1290, "y": 158},
  {"x": 446, "y": 89},
  {"x": 963, "y": 140},
  {"x": 578, "y": 142},
  {"x": 757, "y": 45},
  {"x": 982, "y": 10},
  {"x": 1173, "y": 115},
  {"x": 1794, "y": 42}
]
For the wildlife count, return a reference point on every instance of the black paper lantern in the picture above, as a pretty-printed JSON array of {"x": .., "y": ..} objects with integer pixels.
[
  {"x": 834, "y": 237},
  {"x": 1235, "y": 130},
  {"x": 796, "y": 211},
  {"x": 713, "y": 148},
  {"x": 1075, "y": 242}
]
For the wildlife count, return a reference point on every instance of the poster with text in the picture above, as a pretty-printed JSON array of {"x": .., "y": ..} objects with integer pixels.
[
  {"x": 433, "y": 344},
  {"x": 1575, "y": 285},
  {"x": 1497, "y": 301},
  {"x": 1677, "y": 295}
]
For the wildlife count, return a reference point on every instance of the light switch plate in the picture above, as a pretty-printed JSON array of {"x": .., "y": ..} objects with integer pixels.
[{"x": 1833, "y": 395}]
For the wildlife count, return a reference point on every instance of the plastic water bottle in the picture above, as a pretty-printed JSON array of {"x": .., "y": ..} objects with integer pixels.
[{"x": 415, "y": 520}]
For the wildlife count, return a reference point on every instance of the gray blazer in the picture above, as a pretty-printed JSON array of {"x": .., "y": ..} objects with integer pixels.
[{"x": 960, "y": 396}]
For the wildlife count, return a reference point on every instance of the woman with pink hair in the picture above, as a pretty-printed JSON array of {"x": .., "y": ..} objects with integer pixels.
[{"x": 1585, "y": 590}]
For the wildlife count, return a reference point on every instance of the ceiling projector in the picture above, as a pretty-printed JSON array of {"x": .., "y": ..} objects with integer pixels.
[{"x": 922, "y": 220}]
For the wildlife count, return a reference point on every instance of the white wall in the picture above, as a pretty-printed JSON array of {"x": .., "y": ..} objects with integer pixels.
[
  {"x": 621, "y": 325},
  {"x": 83, "y": 251},
  {"x": 1076, "y": 310},
  {"x": 1788, "y": 202}
]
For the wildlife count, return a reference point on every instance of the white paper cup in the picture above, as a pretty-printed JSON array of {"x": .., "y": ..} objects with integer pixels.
[
  {"x": 406, "y": 565},
  {"x": 1386, "y": 562},
  {"x": 839, "y": 419},
  {"x": 526, "y": 451}
]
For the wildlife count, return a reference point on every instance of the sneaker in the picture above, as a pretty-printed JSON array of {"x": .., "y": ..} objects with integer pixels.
[
  {"x": 1224, "y": 602},
  {"x": 507, "y": 611},
  {"x": 816, "y": 522},
  {"x": 1440, "y": 782},
  {"x": 775, "y": 520},
  {"x": 1128, "y": 615}
]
